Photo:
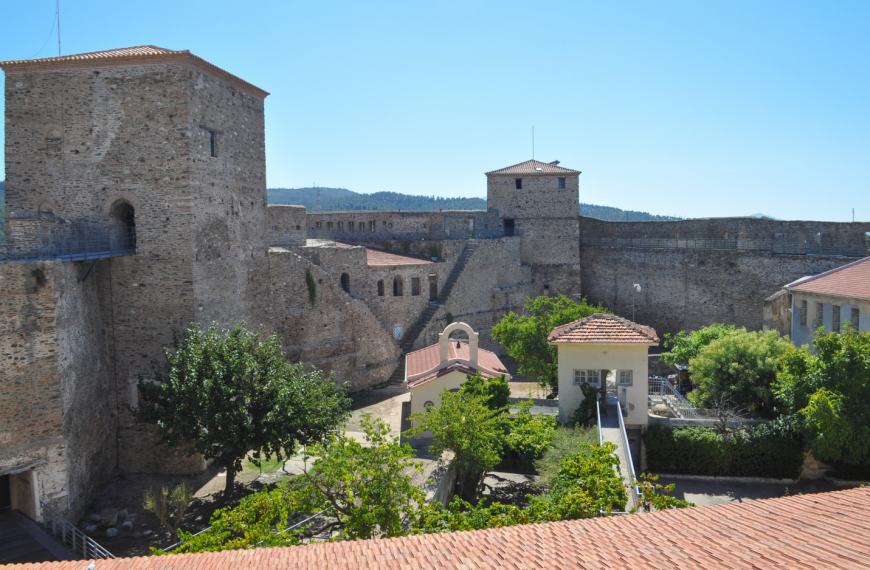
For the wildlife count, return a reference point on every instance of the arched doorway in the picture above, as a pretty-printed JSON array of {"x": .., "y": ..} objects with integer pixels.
[
  {"x": 124, "y": 220},
  {"x": 345, "y": 282}
]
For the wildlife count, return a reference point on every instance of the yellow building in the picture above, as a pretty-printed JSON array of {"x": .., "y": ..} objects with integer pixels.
[
  {"x": 446, "y": 365},
  {"x": 591, "y": 347}
]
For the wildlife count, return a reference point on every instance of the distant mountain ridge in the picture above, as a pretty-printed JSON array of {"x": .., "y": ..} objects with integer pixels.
[{"x": 342, "y": 199}]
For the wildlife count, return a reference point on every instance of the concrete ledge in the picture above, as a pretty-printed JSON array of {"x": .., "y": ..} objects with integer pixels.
[
  {"x": 715, "y": 479},
  {"x": 844, "y": 483}
]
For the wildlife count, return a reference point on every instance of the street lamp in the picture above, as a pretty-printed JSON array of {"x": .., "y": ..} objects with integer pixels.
[{"x": 636, "y": 290}]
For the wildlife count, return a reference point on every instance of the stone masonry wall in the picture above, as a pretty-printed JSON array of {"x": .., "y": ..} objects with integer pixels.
[
  {"x": 689, "y": 289},
  {"x": 287, "y": 225},
  {"x": 337, "y": 333}
]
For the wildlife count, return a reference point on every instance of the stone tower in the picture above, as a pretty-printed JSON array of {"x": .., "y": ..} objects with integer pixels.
[
  {"x": 172, "y": 148},
  {"x": 539, "y": 203}
]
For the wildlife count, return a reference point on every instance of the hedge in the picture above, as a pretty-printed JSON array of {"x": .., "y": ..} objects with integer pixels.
[{"x": 773, "y": 449}]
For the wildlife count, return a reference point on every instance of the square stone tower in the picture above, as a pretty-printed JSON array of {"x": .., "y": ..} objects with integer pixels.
[
  {"x": 172, "y": 148},
  {"x": 539, "y": 203}
]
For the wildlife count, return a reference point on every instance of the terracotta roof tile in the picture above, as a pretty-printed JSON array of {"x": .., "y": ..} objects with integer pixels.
[
  {"x": 601, "y": 328},
  {"x": 535, "y": 167},
  {"x": 428, "y": 358},
  {"x": 852, "y": 280},
  {"x": 132, "y": 56},
  {"x": 828, "y": 530},
  {"x": 380, "y": 258}
]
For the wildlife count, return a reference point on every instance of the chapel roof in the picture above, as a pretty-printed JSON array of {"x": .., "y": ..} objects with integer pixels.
[
  {"x": 428, "y": 358},
  {"x": 852, "y": 280},
  {"x": 825, "y": 530},
  {"x": 601, "y": 328},
  {"x": 535, "y": 167},
  {"x": 137, "y": 55}
]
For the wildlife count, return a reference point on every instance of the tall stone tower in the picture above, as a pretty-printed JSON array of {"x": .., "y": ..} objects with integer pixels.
[
  {"x": 539, "y": 203},
  {"x": 172, "y": 148}
]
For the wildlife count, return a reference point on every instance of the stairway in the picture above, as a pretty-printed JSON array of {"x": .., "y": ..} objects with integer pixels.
[
  {"x": 18, "y": 542},
  {"x": 411, "y": 335}
]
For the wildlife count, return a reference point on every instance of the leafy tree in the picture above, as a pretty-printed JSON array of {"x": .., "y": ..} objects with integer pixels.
[
  {"x": 225, "y": 393},
  {"x": 525, "y": 337},
  {"x": 685, "y": 345},
  {"x": 467, "y": 426},
  {"x": 496, "y": 390},
  {"x": 586, "y": 414},
  {"x": 741, "y": 365},
  {"x": 365, "y": 487},
  {"x": 830, "y": 392},
  {"x": 528, "y": 435}
]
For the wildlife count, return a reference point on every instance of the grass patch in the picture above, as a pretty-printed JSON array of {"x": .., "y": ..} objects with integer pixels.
[{"x": 566, "y": 441}]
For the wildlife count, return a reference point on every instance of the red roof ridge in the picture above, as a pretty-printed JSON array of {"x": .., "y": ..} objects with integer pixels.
[
  {"x": 642, "y": 330},
  {"x": 143, "y": 54}
]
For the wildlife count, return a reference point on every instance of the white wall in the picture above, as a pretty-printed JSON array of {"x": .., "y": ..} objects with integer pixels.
[
  {"x": 801, "y": 335},
  {"x": 604, "y": 357}
]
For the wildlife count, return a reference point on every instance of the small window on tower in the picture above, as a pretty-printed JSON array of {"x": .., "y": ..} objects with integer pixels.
[
  {"x": 561, "y": 183},
  {"x": 519, "y": 183},
  {"x": 212, "y": 144}
]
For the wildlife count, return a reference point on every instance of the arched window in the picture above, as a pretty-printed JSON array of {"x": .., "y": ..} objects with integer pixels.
[
  {"x": 124, "y": 220},
  {"x": 345, "y": 282},
  {"x": 398, "y": 284}
]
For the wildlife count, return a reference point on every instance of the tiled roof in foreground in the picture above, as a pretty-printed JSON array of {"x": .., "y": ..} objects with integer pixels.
[
  {"x": 138, "y": 55},
  {"x": 852, "y": 280},
  {"x": 828, "y": 530},
  {"x": 601, "y": 328},
  {"x": 535, "y": 167}
]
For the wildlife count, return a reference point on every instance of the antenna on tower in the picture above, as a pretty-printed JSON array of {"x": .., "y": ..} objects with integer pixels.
[{"x": 57, "y": 4}]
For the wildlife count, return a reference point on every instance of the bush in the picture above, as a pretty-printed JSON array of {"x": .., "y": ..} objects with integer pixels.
[
  {"x": 527, "y": 439},
  {"x": 851, "y": 471},
  {"x": 566, "y": 441},
  {"x": 586, "y": 414},
  {"x": 774, "y": 449}
]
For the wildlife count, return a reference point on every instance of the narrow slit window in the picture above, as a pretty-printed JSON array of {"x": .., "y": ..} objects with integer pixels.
[
  {"x": 856, "y": 318},
  {"x": 836, "y": 326},
  {"x": 212, "y": 144},
  {"x": 803, "y": 313},
  {"x": 561, "y": 183},
  {"x": 381, "y": 288},
  {"x": 820, "y": 313},
  {"x": 519, "y": 183}
]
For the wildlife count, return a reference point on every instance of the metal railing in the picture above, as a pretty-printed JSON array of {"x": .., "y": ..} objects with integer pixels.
[
  {"x": 777, "y": 246},
  {"x": 78, "y": 242},
  {"x": 661, "y": 391},
  {"x": 633, "y": 488},
  {"x": 70, "y": 535}
]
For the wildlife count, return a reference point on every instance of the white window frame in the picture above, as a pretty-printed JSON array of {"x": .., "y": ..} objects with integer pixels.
[
  {"x": 626, "y": 377},
  {"x": 587, "y": 377}
]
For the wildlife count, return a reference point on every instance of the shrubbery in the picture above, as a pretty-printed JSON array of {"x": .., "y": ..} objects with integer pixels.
[{"x": 774, "y": 449}]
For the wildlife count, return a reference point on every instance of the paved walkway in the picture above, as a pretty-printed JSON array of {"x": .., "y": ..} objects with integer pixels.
[{"x": 610, "y": 432}]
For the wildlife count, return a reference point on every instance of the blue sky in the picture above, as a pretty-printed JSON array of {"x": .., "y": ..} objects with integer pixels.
[{"x": 681, "y": 108}]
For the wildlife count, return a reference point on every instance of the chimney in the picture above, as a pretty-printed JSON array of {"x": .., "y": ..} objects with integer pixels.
[{"x": 555, "y": 163}]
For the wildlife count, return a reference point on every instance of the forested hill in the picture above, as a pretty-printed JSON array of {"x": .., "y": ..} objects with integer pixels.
[
  {"x": 341, "y": 199},
  {"x": 611, "y": 214}
]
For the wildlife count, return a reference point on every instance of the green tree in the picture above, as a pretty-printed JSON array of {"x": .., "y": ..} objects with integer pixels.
[
  {"x": 467, "y": 426},
  {"x": 829, "y": 390},
  {"x": 586, "y": 413},
  {"x": 740, "y": 366},
  {"x": 656, "y": 497},
  {"x": 224, "y": 393},
  {"x": 525, "y": 337},
  {"x": 366, "y": 487},
  {"x": 685, "y": 345},
  {"x": 530, "y": 435},
  {"x": 169, "y": 506},
  {"x": 497, "y": 390}
]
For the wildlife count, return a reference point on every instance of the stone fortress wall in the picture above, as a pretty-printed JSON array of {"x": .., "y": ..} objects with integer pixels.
[{"x": 89, "y": 140}]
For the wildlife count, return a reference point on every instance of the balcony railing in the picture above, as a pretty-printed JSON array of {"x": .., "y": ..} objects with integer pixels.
[{"x": 77, "y": 242}]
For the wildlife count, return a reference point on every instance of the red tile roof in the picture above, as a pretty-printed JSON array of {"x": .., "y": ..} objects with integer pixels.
[
  {"x": 535, "y": 167},
  {"x": 601, "y": 328},
  {"x": 132, "y": 56},
  {"x": 852, "y": 280},
  {"x": 829, "y": 530},
  {"x": 380, "y": 257},
  {"x": 428, "y": 358}
]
